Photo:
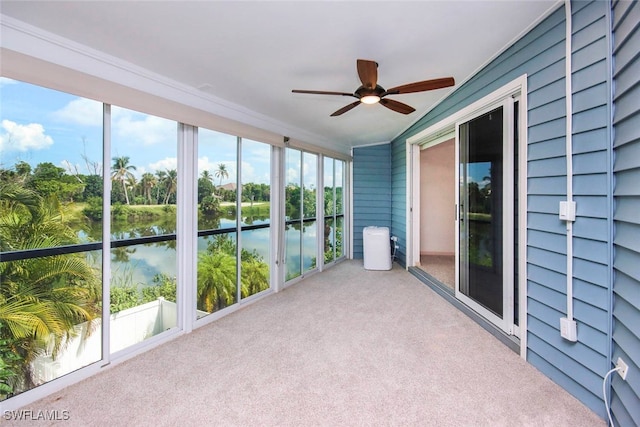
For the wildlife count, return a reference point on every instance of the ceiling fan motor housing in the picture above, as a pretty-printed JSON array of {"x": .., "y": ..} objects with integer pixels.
[{"x": 364, "y": 91}]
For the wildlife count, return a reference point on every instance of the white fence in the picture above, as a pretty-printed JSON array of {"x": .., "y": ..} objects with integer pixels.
[{"x": 128, "y": 327}]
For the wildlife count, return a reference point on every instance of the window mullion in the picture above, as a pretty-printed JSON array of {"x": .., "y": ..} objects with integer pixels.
[
  {"x": 239, "y": 219},
  {"x": 106, "y": 232},
  {"x": 186, "y": 243}
]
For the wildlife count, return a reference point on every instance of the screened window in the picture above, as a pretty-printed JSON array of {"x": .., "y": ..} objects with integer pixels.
[
  {"x": 233, "y": 220},
  {"x": 301, "y": 224},
  {"x": 50, "y": 235},
  {"x": 334, "y": 179},
  {"x": 144, "y": 186}
]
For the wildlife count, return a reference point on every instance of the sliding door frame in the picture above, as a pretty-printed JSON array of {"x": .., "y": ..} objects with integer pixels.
[
  {"x": 516, "y": 90},
  {"x": 505, "y": 322}
]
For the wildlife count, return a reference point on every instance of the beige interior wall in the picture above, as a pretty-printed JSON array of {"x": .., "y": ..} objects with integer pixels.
[{"x": 437, "y": 199}]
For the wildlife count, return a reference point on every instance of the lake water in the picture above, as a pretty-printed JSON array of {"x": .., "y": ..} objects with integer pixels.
[{"x": 138, "y": 264}]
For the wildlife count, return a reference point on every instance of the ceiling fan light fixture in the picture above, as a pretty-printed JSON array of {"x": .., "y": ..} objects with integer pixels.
[
  {"x": 370, "y": 99},
  {"x": 370, "y": 92}
]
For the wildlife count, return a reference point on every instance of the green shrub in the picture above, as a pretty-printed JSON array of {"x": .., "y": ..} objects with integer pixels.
[
  {"x": 93, "y": 210},
  {"x": 164, "y": 287},
  {"x": 123, "y": 297}
]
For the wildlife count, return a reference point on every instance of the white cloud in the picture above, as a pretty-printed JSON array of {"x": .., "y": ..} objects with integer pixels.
[
  {"x": 133, "y": 128},
  {"x": 249, "y": 174},
  {"x": 16, "y": 137},
  {"x": 292, "y": 176},
  {"x": 81, "y": 111},
  {"x": 204, "y": 164},
  {"x": 310, "y": 169},
  {"x": 164, "y": 164}
]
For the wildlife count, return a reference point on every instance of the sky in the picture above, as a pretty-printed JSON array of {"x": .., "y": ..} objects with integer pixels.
[{"x": 43, "y": 125}]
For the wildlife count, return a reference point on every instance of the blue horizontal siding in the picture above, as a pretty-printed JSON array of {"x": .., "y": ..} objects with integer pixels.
[
  {"x": 546, "y": 76},
  {"x": 555, "y": 166},
  {"x": 548, "y": 130},
  {"x": 583, "y": 99},
  {"x": 371, "y": 191},
  {"x": 594, "y": 295},
  {"x": 556, "y": 185},
  {"x": 588, "y": 77},
  {"x": 544, "y": 203},
  {"x": 591, "y": 206},
  {"x": 562, "y": 369},
  {"x": 590, "y": 163},
  {"x": 546, "y": 149},
  {"x": 592, "y": 184},
  {"x": 545, "y": 95},
  {"x": 628, "y": 155},
  {"x": 548, "y": 241}
]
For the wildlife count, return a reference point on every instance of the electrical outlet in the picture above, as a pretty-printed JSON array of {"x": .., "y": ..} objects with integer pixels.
[
  {"x": 568, "y": 329},
  {"x": 567, "y": 211},
  {"x": 394, "y": 238},
  {"x": 623, "y": 368}
]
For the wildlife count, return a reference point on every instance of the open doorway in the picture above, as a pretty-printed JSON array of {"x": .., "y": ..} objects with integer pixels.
[{"x": 437, "y": 212}]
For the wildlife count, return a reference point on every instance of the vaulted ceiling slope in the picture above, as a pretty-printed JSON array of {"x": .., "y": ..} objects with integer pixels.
[{"x": 252, "y": 54}]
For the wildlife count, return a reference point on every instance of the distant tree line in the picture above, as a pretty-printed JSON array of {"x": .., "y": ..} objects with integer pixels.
[{"x": 159, "y": 188}]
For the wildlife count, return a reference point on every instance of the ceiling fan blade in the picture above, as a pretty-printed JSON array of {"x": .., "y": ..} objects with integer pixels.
[
  {"x": 322, "y": 92},
  {"x": 397, "y": 106},
  {"x": 346, "y": 108},
  {"x": 421, "y": 86},
  {"x": 368, "y": 73}
]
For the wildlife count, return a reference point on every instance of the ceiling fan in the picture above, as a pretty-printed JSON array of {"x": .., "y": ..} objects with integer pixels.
[{"x": 371, "y": 92}]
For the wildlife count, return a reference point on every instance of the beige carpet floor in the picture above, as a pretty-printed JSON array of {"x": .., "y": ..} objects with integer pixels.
[{"x": 346, "y": 347}]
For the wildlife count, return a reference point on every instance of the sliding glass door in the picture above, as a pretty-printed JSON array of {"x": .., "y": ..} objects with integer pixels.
[{"x": 485, "y": 221}]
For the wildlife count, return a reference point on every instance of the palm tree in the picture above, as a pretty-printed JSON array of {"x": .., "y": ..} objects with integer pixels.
[
  {"x": 206, "y": 175},
  {"x": 221, "y": 173},
  {"x": 42, "y": 299},
  {"x": 161, "y": 176},
  {"x": 254, "y": 276},
  {"x": 23, "y": 169},
  {"x": 132, "y": 182},
  {"x": 171, "y": 184},
  {"x": 121, "y": 171},
  {"x": 216, "y": 280},
  {"x": 148, "y": 181}
]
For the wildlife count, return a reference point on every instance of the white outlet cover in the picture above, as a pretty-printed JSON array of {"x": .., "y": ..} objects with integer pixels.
[{"x": 569, "y": 329}]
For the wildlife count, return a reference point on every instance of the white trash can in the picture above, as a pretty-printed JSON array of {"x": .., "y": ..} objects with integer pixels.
[{"x": 376, "y": 247}]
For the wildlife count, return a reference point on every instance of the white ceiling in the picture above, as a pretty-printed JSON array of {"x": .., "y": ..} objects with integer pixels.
[{"x": 254, "y": 53}]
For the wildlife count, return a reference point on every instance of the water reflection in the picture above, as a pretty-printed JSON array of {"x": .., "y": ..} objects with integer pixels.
[{"x": 301, "y": 250}]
